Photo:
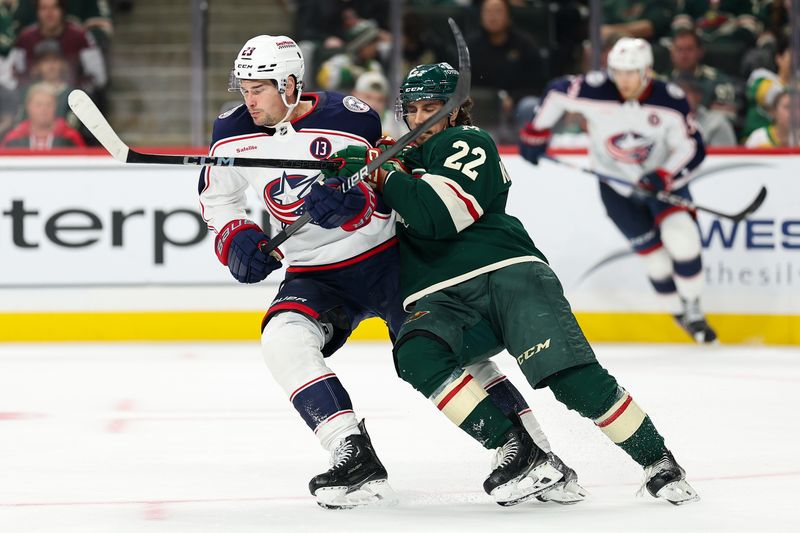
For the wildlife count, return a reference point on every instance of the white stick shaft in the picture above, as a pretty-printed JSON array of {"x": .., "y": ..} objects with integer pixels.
[{"x": 93, "y": 119}]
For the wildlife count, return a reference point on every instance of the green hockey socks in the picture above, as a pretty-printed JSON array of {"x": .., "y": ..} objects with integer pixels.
[
  {"x": 464, "y": 401},
  {"x": 427, "y": 364},
  {"x": 594, "y": 393}
]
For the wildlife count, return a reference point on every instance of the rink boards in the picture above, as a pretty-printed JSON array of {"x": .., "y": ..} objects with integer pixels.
[{"x": 96, "y": 250}]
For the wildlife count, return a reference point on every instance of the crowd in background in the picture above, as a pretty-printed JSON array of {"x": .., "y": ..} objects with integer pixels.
[
  {"x": 48, "y": 48},
  {"x": 731, "y": 57}
]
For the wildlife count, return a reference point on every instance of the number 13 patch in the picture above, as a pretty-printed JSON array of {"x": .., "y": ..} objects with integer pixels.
[{"x": 320, "y": 148}]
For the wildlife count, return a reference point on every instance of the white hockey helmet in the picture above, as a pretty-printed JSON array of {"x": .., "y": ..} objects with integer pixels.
[
  {"x": 630, "y": 54},
  {"x": 269, "y": 57}
]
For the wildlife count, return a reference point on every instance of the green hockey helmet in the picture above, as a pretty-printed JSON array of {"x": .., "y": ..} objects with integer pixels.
[{"x": 435, "y": 81}]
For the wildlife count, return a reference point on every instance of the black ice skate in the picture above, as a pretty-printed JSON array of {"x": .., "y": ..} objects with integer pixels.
[
  {"x": 356, "y": 477},
  {"x": 667, "y": 480},
  {"x": 521, "y": 470},
  {"x": 567, "y": 491},
  {"x": 693, "y": 322}
]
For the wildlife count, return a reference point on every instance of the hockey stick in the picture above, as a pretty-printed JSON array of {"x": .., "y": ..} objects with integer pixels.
[
  {"x": 460, "y": 94},
  {"x": 93, "y": 119},
  {"x": 668, "y": 198}
]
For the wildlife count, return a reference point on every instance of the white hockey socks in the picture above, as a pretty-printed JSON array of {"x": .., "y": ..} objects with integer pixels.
[{"x": 292, "y": 348}]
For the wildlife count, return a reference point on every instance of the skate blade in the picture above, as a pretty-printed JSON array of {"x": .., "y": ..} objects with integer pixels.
[
  {"x": 567, "y": 493},
  {"x": 678, "y": 493},
  {"x": 372, "y": 493},
  {"x": 527, "y": 486}
]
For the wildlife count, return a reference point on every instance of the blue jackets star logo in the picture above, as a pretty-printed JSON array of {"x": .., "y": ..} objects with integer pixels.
[{"x": 284, "y": 196}]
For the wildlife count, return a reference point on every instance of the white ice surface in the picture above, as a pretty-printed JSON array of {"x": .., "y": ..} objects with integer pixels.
[{"x": 195, "y": 438}]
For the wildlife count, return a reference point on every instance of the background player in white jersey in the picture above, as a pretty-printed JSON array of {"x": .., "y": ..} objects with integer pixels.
[
  {"x": 340, "y": 271},
  {"x": 640, "y": 130}
]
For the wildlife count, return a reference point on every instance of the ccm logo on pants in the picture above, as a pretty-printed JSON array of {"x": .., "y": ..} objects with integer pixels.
[{"x": 533, "y": 350}]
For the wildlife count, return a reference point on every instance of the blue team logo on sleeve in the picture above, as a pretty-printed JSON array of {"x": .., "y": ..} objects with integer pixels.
[
  {"x": 284, "y": 196},
  {"x": 629, "y": 147},
  {"x": 320, "y": 148}
]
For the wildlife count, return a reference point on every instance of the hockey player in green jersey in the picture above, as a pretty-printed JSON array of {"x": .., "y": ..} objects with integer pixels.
[{"x": 464, "y": 262}]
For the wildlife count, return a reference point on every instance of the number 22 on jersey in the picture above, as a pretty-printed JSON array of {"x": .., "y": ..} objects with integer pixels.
[{"x": 462, "y": 151}]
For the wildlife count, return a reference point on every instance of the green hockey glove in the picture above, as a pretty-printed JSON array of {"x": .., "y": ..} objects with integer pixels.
[{"x": 354, "y": 157}]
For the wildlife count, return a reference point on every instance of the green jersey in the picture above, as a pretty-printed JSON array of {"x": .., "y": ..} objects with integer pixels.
[
  {"x": 452, "y": 225},
  {"x": 6, "y": 30},
  {"x": 659, "y": 12},
  {"x": 763, "y": 86},
  {"x": 717, "y": 88}
]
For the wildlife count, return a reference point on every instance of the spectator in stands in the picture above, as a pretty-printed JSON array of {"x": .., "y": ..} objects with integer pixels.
[
  {"x": 419, "y": 41},
  {"x": 714, "y": 125},
  {"x": 93, "y": 15},
  {"x": 373, "y": 88},
  {"x": 86, "y": 66},
  {"x": 50, "y": 65},
  {"x": 719, "y": 20},
  {"x": 458, "y": 3},
  {"x": 42, "y": 130},
  {"x": 504, "y": 57},
  {"x": 7, "y": 36},
  {"x": 570, "y": 32},
  {"x": 648, "y": 20},
  {"x": 719, "y": 92},
  {"x": 776, "y": 134},
  {"x": 764, "y": 85},
  {"x": 6, "y": 26},
  {"x": 8, "y": 109},
  {"x": 605, "y": 47},
  {"x": 774, "y": 16},
  {"x": 327, "y": 22},
  {"x": 360, "y": 55},
  {"x": 8, "y": 97},
  {"x": 316, "y": 20}
]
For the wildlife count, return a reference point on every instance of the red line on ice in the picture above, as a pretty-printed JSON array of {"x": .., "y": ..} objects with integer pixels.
[
  {"x": 117, "y": 425},
  {"x": 19, "y": 416}
]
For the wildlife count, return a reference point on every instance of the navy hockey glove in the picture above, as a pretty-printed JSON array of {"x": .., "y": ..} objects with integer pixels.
[
  {"x": 330, "y": 208},
  {"x": 533, "y": 143},
  {"x": 238, "y": 246},
  {"x": 658, "y": 180}
]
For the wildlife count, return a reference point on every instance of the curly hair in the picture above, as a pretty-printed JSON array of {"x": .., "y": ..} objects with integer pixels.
[{"x": 463, "y": 118}]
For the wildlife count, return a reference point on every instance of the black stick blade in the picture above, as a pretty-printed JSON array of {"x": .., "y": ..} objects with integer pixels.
[{"x": 753, "y": 207}]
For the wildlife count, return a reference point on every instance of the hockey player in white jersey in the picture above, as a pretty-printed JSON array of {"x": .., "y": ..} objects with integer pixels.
[
  {"x": 640, "y": 130},
  {"x": 339, "y": 272}
]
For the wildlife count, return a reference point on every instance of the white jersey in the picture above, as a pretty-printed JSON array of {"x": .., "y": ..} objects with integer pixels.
[
  {"x": 334, "y": 122},
  {"x": 628, "y": 139}
]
